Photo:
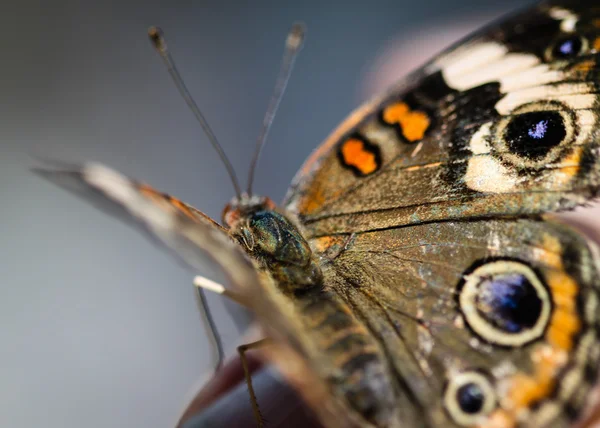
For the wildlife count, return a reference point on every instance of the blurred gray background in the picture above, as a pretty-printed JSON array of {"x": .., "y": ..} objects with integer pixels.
[{"x": 98, "y": 327}]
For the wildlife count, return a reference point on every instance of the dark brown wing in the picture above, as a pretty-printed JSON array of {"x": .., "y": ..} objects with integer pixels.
[{"x": 505, "y": 311}]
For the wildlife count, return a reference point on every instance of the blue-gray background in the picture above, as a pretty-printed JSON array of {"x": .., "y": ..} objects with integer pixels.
[{"x": 99, "y": 328}]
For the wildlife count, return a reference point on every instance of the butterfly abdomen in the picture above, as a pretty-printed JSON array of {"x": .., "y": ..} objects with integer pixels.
[{"x": 348, "y": 356}]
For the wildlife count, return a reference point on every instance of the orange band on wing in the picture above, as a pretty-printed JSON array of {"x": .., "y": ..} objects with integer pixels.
[
  {"x": 413, "y": 123},
  {"x": 360, "y": 156},
  {"x": 525, "y": 390},
  {"x": 179, "y": 205}
]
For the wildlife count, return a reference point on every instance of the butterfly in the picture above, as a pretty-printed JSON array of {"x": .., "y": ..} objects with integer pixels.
[{"x": 414, "y": 274}]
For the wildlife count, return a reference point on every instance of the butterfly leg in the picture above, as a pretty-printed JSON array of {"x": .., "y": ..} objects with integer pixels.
[
  {"x": 211, "y": 328},
  {"x": 242, "y": 349},
  {"x": 202, "y": 283}
]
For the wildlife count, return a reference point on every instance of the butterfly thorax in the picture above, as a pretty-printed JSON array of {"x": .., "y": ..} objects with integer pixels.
[{"x": 272, "y": 239}]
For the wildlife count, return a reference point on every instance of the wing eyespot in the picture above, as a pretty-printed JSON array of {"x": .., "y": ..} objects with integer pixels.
[
  {"x": 532, "y": 135},
  {"x": 567, "y": 47},
  {"x": 505, "y": 303},
  {"x": 535, "y": 135},
  {"x": 469, "y": 397}
]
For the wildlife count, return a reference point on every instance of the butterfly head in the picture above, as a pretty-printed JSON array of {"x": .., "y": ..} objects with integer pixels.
[
  {"x": 273, "y": 240},
  {"x": 240, "y": 207}
]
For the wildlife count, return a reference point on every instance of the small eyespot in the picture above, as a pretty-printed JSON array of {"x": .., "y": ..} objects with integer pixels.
[
  {"x": 566, "y": 47},
  {"x": 469, "y": 397},
  {"x": 536, "y": 134},
  {"x": 532, "y": 135},
  {"x": 505, "y": 303}
]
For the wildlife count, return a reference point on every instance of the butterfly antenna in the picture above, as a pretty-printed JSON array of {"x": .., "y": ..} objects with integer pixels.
[
  {"x": 159, "y": 43},
  {"x": 293, "y": 44}
]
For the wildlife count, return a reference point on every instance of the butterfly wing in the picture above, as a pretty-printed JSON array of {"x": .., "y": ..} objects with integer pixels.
[
  {"x": 506, "y": 123},
  {"x": 400, "y": 203},
  {"x": 164, "y": 217},
  {"x": 195, "y": 238},
  {"x": 482, "y": 323}
]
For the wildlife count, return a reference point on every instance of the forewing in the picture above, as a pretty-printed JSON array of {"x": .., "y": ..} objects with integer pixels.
[
  {"x": 195, "y": 238},
  {"x": 165, "y": 218},
  {"x": 506, "y": 123}
]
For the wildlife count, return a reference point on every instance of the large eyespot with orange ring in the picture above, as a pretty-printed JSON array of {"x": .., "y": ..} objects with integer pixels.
[
  {"x": 505, "y": 302},
  {"x": 469, "y": 397}
]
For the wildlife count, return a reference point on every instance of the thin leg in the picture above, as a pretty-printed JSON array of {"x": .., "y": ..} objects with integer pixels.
[
  {"x": 211, "y": 328},
  {"x": 215, "y": 287},
  {"x": 202, "y": 283},
  {"x": 242, "y": 349}
]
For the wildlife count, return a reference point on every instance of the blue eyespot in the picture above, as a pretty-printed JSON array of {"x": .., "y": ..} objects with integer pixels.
[
  {"x": 505, "y": 302},
  {"x": 538, "y": 130},
  {"x": 568, "y": 47},
  {"x": 509, "y": 302},
  {"x": 470, "y": 398},
  {"x": 532, "y": 135}
]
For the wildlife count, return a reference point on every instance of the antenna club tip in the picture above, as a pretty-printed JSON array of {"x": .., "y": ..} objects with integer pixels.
[
  {"x": 157, "y": 39},
  {"x": 296, "y": 35}
]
